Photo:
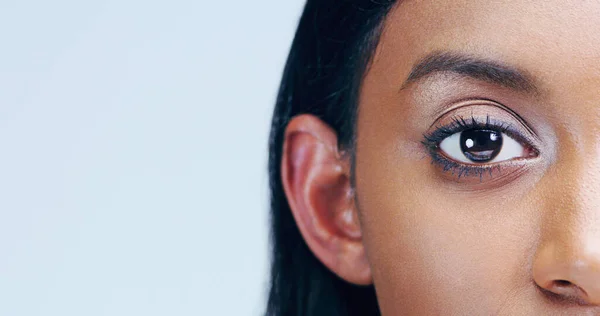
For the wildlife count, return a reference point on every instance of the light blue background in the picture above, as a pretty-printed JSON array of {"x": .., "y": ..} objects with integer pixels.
[{"x": 133, "y": 140}]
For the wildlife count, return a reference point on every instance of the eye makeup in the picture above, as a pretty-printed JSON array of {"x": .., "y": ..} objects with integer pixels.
[{"x": 478, "y": 139}]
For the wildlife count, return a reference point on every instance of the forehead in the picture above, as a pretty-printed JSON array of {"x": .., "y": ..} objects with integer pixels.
[
  {"x": 540, "y": 22},
  {"x": 554, "y": 39}
]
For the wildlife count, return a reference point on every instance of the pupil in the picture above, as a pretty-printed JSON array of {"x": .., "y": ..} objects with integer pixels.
[{"x": 480, "y": 145}]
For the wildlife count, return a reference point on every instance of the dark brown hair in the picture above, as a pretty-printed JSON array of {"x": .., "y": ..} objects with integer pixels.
[{"x": 330, "y": 54}]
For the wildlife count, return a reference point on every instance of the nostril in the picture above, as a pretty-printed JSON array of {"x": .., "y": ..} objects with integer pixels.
[
  {"x": 567, "y": 291},
  {"x": 562, "y": 283}
]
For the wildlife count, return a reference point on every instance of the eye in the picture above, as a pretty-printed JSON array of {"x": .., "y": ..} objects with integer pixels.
[{"x": 479, "y": 146}]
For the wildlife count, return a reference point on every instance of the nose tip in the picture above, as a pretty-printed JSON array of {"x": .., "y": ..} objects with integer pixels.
[{"x": 574, "y": 280}]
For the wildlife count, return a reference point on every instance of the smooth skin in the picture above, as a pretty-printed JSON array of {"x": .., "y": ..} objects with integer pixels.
[{"x": 524, "y": 238}]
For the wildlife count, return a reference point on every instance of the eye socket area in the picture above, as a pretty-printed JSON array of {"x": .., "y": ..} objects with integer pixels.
[{"x": 482, "y": 146}]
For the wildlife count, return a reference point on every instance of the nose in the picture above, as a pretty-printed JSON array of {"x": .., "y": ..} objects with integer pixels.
[
  {"x": 570, "y": 272},
  {"x": 566, "y": 264}
]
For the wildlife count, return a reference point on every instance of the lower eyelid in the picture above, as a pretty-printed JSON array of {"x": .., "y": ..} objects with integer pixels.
[
  {"x": 495, "y": 174},
  {"x": 460, "y": 170}
]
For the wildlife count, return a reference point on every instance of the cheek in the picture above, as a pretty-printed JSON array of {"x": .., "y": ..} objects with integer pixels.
[{"x": 432, "y": 250}]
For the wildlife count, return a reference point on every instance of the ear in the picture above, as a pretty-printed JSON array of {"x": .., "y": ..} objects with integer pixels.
[{"x": 316, "y": 180}]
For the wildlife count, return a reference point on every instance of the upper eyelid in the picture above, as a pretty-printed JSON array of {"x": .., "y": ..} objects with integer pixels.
[
  {"x": 460, "y": 124},
  {"x": 482, "y": 101}
]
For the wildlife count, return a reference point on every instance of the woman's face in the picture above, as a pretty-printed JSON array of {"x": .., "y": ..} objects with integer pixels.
[{"x": 477, "y": 164}]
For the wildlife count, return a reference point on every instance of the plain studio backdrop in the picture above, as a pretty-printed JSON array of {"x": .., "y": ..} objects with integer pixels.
[{"x": 133, "y": 146}]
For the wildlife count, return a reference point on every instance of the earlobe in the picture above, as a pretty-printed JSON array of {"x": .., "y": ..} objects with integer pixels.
[{"x": 316, "y": 180}]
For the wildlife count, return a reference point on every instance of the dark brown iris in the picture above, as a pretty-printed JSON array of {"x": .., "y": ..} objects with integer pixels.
[{"x": 480, "y": 145}]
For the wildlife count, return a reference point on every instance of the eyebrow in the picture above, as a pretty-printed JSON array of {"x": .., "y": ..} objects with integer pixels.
[{"x": 493, "y": 72}]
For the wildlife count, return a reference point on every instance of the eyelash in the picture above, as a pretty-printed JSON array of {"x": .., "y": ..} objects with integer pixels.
[{"x": 459, "y": 123}]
